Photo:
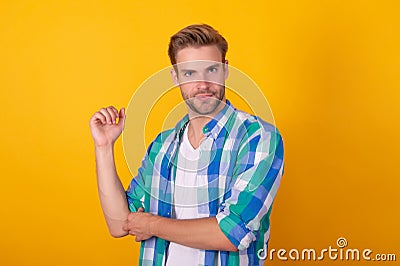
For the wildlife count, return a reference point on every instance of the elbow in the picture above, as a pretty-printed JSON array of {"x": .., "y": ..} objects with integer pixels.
[
  {"x": 116, "y": 228},
  {"x": 117, "y": 233}
]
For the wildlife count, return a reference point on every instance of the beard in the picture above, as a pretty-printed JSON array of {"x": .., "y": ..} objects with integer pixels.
[{"x": 205, "y": 102}]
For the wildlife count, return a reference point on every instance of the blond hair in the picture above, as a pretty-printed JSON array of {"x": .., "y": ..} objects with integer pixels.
[{"x": 195, "y": 36}]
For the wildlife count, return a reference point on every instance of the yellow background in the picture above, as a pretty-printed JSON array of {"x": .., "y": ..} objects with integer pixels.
[{"x": 330, "y": 70}]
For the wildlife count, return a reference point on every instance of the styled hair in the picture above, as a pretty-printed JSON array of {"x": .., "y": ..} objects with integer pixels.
[{"x": 196, "y": 35}]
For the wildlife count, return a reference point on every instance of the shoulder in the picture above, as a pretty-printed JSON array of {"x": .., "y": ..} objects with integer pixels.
[
  {"x": 250, "y": 126},
  {"x": 259, "y": 138}
]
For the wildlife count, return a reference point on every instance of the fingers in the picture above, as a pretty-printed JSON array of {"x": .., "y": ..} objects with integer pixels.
[
  {"x": 98, "y": 117},
  {"x": 131, "y": 216},
  {"x": 125, "y": 228},
  {"x": 114, "y": 113},
  {"x": 141, "y": 237},
  {"x": 109, "y": 115}
]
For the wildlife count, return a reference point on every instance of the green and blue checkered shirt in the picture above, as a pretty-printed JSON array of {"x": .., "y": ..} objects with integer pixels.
[{"x": 243, "y": 167}]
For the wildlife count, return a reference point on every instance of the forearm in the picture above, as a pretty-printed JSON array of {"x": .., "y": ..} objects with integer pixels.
[
  {"x": 111, "y": 192},
  {"x": 202, "y": 233}
]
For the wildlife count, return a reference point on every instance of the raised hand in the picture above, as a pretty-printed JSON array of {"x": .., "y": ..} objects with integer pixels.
[{"x": 104, "y": 125}]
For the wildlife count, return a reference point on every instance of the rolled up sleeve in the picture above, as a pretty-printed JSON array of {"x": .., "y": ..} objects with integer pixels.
[{"x": 256, "y": 178}]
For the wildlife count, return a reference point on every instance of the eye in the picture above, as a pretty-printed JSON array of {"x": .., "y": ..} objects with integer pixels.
[
  {"x": 212, "y": 69},
  {"x": 188, "y": 73}
]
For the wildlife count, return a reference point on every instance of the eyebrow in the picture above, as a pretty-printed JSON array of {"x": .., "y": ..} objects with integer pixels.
[
  {"x": 186, "y": 70},
  {"x": 194, "y": 70},
  {"x": 215, "y": 65}
]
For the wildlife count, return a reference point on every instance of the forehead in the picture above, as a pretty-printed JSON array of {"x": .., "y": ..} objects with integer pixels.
[{"x": 209, "y": 53}]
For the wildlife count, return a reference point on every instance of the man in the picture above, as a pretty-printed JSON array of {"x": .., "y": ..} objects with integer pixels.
[{"x": 204, "y": 192}]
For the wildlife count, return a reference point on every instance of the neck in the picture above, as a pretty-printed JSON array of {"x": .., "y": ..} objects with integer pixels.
[
  {"x": 195, "y": 129},
  {"x": 196, "y": 125}
]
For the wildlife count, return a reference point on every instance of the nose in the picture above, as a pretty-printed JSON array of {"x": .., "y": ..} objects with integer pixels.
[
  {"x": 202, "y": 80},
  {"x": 202, "y": 84}
]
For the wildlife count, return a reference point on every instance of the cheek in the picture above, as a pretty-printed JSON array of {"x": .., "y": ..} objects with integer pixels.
[
  {"x": 217, "y": 88},
  {"x": 185, "y": 91}
]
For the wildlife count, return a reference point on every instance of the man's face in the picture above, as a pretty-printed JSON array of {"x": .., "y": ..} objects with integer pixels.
[{"x": 201, "y": 76}]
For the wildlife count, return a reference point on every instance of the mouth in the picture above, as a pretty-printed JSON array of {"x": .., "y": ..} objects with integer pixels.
[{"x": 203, "y": 96}]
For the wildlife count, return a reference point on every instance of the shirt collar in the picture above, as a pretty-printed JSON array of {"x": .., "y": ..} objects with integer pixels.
[{"x": 213, "y": 127}]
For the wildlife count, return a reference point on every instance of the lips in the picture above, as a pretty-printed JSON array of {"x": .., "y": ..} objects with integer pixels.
[{"x": 204, "y": 95}]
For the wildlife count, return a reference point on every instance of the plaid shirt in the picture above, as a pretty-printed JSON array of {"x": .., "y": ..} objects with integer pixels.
[{"x": 243, "y": 169}]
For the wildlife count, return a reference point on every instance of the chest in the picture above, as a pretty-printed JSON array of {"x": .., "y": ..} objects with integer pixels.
[{"x": 196, "y": 179}]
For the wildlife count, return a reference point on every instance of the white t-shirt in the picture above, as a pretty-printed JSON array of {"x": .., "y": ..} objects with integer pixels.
[{"x": 185, "y": 198}]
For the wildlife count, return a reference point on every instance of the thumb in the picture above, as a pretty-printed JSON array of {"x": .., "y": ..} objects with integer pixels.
[
  {"x": 140, "y": 209},
  {"x": 121, "y": 118}
]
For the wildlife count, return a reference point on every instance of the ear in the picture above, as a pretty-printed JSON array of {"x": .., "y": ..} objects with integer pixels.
[
  {"x": 226, "y": 69},
  {"x": 174, "y": 77}
]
